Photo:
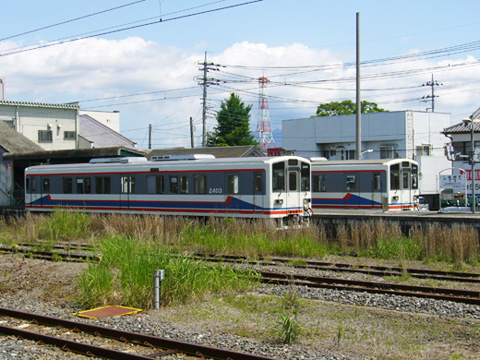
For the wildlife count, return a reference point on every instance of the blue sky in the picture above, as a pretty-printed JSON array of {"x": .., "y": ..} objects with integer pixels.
[{"x": 305, "y": 47}]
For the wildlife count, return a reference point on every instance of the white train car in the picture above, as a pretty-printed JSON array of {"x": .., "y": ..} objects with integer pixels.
[
  {"x": 196, "y": 185},
  {"x": 387, "y": 184}
]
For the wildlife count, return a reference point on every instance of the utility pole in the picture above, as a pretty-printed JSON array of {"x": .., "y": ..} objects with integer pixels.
[
  {"x": 149, "y": 136},
  {"x": 205, "y": 82},
  {"x": 191, "y": 132},
  {"x": 431, "y": 97},
  {"x": 359, "y": 100}
]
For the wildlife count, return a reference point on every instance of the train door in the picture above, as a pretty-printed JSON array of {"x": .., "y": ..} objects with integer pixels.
[
  {"x": 44, "y": 189},
  {"x": 352, "y": 187},
  {"x": 232, "y": 202},
  {"x": 127, "y": 187},
  {"x": 406, "y": 199},
  {"x": 294, "y": 198},
  {"x": 258, "y": 194}
]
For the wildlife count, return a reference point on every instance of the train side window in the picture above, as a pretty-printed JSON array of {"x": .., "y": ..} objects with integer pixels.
[
  {"x": 200, "y": 184},
  {"x": 155, "y": 184},
  {"x": 184, "y": 184},
  {"x": 292, "y": 181},
  {"x": 395, "y": 177},
  {"x": 305, "y": 178},
  {"x": 319, "y": 183},
  {"x": 46, "y": 185},
  {"x": 232, "y": 184},
  {"x": 84, "y": 185},
  {"x": 351, "y": 182},
  {"x": 102, "y": 185},
  {"x": 173, "y": 184},
  {"x": 258, "y": 182},
  {"x": 67, "y": 185},
  {"x": 278, "y": 177},
  {"x": 27, "y": 183},
  {"x": 377, "y": 182}
]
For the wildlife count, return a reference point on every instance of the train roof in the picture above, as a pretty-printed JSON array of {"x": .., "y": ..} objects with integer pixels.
[
  {"x": 322, "y": 161},
  {"x": 115, "y": 163}
]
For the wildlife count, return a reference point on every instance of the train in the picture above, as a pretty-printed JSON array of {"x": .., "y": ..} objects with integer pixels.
[
  {"x": 386, "y": 184},
  {"x": 189, "y": 185}
]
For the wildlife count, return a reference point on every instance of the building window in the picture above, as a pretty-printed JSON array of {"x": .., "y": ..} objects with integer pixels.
[
  {"x": 387, "y": 152},
  {"x": 69, "y": 135},
  {"x": 45, "y": 136}
]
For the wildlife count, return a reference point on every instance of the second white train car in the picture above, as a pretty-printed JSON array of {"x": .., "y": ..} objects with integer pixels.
[
  {"x": 260, "y": 187},
  {"x": 387, "y": 184}
]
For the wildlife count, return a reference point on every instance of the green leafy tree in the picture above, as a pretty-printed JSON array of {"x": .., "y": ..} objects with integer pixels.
[
  {"x": 346, "y": 107},
  {"x": 233, "y": 127}
]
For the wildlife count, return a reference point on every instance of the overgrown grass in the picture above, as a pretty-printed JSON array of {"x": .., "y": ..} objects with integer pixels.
[{"x": 125, "y": 275}]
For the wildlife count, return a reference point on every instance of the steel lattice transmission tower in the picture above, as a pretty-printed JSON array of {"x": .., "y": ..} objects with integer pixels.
[{"x": 265, "y": 135}]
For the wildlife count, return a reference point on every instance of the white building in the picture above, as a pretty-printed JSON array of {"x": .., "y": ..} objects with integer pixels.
[
  {"x": 59, "y": 126},
  {"x": 52, "y": 126},
  {"x": 404, "y": 134}
]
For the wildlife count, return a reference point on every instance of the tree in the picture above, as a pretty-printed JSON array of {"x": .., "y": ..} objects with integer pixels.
[
  {"x": 346, "y": 107},
  {"x": 233, "y": 127}
]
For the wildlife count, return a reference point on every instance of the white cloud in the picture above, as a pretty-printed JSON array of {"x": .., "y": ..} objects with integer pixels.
[{"x": 100, "y": 68}]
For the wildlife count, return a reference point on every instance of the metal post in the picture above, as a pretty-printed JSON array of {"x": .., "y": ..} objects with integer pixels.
[
  {"x": 359, "y": 101},
  {"x": 158, "y": 276},
  {"x": 472, "y": 160}
]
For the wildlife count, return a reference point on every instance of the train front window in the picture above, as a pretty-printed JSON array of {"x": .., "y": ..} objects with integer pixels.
[
  {"x": 278, "y": 177},
  {"x": 305, "y": 177},
  {"x": 395, "y": 177}
]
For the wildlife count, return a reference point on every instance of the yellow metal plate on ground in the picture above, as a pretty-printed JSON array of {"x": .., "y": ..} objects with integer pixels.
[{"x": 106, "y": 311}]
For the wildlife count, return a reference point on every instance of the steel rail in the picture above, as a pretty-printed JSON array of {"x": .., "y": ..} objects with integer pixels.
[
  {"x": 456, "y": 295},
  {"x": 135, "y": 338},
  {"x": 367, "y": 269}
]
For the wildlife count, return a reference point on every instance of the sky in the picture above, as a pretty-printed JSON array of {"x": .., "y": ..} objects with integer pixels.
[{"x": 142, "y": 58}]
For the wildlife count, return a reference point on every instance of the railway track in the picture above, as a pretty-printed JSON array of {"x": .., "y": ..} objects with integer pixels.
[
  {"x": 60, "y": 255},
  {"x": 382, "y": 271},
  {"x": 438, "y": 293},
  {"x": 135, "y": 346}
]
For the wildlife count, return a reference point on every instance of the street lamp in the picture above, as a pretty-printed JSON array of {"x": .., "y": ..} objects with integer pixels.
[{"x": 364, "y": 152}]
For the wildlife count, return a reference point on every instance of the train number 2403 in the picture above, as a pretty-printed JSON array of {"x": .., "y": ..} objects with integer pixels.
[{"x": 215, "y": 190}]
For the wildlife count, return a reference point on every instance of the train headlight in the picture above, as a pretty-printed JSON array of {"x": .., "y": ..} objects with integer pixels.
[
  {"x": 395, "y": 197},
  {"x": 306, "y": 201},
  {"x": 279, "y": 201}
]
